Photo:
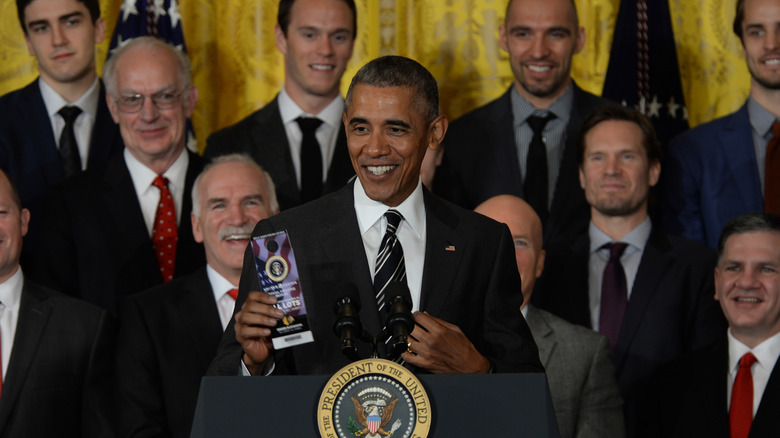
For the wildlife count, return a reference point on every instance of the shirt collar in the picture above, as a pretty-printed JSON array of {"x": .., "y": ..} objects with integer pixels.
[
  {"x": 143, "y": 176},
  {"x": 766, "y": 352},
  {"x": 637, "y": 238},
  {"x": 760, "y": 119},
  {"x": 219, "y": 284},
  {"x": 88, "y": 101},
  {"x": 370, "y": 211},
  {"x": 561, "y": 107},
  {"x": 330, "y": 115},
  {"x": 11, "y": 290}
]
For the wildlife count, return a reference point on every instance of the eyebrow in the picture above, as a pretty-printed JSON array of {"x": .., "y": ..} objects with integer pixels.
[
  {"x": 65, "y": 17},
  {"x": 523, "y": 28}
]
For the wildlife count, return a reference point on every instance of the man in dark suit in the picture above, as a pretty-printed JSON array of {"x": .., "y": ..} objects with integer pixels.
[
  {"x": 651, "y": 294},
  {"x": 494, "y": 150},
  {"x": 729, "y": 166},
  {"x": 708, "y": 393},
  {"x": 56, "y": 351},
  {"x": 109, "y": 232},
  {"x": 169, "y": 334},
  {"x": 316, "y": 38},
  {"x": 33, "y": 150},
  {"x": 457, "y": 264},
  {"x": 577, "y": 360}
]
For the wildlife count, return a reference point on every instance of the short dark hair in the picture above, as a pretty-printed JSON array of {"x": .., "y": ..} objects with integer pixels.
[
  {"x": 93, "y": 6},
  {"x": 739, "y": 17},
  {"x": 747, "y": 223},
  {"x": 398, "y": 71},
  {"x": 614, "y": 111},
  {"x": 285, "y": 6}
]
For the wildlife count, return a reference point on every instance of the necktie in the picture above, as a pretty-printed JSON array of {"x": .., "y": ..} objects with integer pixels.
[
  {"x": 69, "y": 149},
  {"x": 772, "y": 172},
  {"x": 164, "y": 233},
  {"x": 233, "y": 293},
  {"x": 536, "y": 180},
  {"x": 389, "y": 261},
  {"x": 741, "y": 411},
  {"x": 311, "y": 159},
  {"x": 614, "y": 294}
]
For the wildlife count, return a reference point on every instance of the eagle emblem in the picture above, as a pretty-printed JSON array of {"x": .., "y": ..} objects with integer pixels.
[{"x": 374, "y": 409}]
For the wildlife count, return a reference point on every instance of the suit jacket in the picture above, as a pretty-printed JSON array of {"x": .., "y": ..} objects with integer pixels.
[
  {"x": 94, "y": 242},
  {"x": 480, "y": 161},
  {"x": 262, "y": 136},
  {"x": 59, "y": 375},
  {"x": 691, "y": 398},
  {"x": 581, "y": 376},
  {"x": 472, "y": 287},
  {"x": 710, "y": 176},
  {"x": 169, "y": 335},
  {"x": 28, "y": 148},
  {"x": 671, "y": 310}
]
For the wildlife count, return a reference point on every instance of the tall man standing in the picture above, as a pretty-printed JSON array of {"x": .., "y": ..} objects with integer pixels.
[
  {"x": 524, "y": 143},
  {"x": 298, "y": 138},
  {"x": 649, "y": 293},
  {"x": 118, "y": 229},
  {"x": 59, "y": 124},
  {"x": 457, "y": 264}
]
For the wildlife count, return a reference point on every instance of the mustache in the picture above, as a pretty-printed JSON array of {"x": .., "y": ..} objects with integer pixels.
[{"x": 243, "y": 232}]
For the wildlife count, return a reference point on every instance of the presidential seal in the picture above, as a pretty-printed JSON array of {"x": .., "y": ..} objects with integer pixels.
[
  {"x": 276, "y": 268},
  {"x": 374, "y": 398}
]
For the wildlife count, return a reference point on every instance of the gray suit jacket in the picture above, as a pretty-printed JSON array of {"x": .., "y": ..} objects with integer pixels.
[{"x": 581, "y": 376}]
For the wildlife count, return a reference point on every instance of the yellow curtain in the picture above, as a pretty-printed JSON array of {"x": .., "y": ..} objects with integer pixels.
[{"x": 238, "y": 68}]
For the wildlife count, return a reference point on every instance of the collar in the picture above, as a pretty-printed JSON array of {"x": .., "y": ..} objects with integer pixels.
[
  {"x": 289, "y": 110},
  {"x": 637, "y": 238},
  {"x": 522, "y": 109},
  {"x": 766, "y": 352},
  {"x": 88, "y": 101},
  {"x": 11, "y": 290},
  {"x": 369, "y": 211},
  {"x": 143, "y": 176},
  {"x": 761, "y": 119},
  {"x": 219, "y": 284}
]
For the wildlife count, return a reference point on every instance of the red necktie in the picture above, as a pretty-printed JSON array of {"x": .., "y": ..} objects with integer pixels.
[
  {"x": 164, "y": 234},
  {"x": 741, "y": 411},
  {"x": 772, "y": 172},
  {"x": 233, "y": 293}
]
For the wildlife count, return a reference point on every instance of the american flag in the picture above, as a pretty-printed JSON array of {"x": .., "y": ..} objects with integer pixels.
[{"x": 158, "y": 18}]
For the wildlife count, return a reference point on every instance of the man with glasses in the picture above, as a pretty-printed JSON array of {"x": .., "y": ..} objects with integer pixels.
[{"x": 123, "y": 227}]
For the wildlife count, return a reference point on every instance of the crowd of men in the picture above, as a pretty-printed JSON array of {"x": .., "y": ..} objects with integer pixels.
[{"x": 126, "y": 272}]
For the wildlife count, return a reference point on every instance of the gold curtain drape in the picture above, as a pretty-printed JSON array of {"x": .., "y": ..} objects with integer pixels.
[{"x": 238, "y": 68}]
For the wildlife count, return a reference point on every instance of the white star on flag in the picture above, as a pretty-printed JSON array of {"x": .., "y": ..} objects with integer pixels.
[{"x": 128, "y": 8}]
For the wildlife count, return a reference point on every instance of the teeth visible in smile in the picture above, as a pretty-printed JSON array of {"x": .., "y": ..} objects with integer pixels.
[
  {"x": 232, "y": 237},
  {"x": 539, "y": 68},
  {"x": 748, "y": 300},
  {"x": 322, "y": 67},
  {"x": 378, "y": 170}
]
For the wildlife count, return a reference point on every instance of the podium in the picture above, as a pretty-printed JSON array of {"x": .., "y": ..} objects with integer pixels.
[{"x": 462, "y": 405}]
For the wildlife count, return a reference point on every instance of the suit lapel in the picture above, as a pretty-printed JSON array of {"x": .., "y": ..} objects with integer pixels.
[
  {"x": 736, "y": 145},
  {"x": 122, "y": 202},
  {"x": 268, "y": 134},
  {"x": 767, "y": 422},
  {"x": 542, "y": 332},
  {"x": 33, "y": 318},
  {"x": 105, "y": 138},
  {"x": 41, "y": 135},
  {"x": 197, "y": 310},
  {"x": 189, "y": 254}
]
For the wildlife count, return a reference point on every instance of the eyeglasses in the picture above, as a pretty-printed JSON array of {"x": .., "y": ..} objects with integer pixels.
[{"x": 161, "y": 100}]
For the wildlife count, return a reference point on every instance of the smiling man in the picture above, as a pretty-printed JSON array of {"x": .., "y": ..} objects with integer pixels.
[
  {"x": 298, "y": 137},
  {"x": 185, "y": 318},
  {"x": 649, "y": 293},
  {"x": 731, "y": 165},
  {"x": 124, "y": 227},
  {"x": 59, "y": 124},
  {"x": 458, "y": 265},
  {"x": 524, "y": 142}
]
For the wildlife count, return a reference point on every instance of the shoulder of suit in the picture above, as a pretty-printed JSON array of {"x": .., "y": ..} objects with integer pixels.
[
  {"x": 61, "y": 302},
  {"x": 700, "y": 136},
  {"x": 689, "y": 251}
]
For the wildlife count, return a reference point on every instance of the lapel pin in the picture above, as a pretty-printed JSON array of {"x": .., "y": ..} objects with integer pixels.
[{"x": 450, "y": 248}]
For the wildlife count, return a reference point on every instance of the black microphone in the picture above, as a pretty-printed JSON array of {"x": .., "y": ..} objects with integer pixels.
[
  {"x": 400, "y": 321},
  {"x": 346, "y": 323}
]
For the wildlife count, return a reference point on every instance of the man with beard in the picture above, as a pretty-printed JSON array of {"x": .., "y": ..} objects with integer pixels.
[
  {"x": 731, "y": 165},
  {"x": 169, "y": 334},
  {"x": 649, "y": 293},
  {"x": 523, "y": 143}
]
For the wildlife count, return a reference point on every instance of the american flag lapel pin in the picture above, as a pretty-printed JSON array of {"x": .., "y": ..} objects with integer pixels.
[{"x": 449, "y": 248}]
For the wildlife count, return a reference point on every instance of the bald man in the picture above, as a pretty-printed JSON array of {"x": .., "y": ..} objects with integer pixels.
[{"x": 582, "y": 381}]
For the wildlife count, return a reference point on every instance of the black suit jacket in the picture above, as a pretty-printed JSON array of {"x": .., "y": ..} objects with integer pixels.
[
  {"x": 480, "y": 161},
  {"x": 262, "y": 136},
  {"x": 473, "y": 287},
  {"x": 169, "y": 335},
  {"x": 691, "y": 398},
  {"x": 94, "y": 242},
  {"x": 28, "y": 149},
  {"x": 59, "y": 376},
  {"x": 671, "y": 310}
]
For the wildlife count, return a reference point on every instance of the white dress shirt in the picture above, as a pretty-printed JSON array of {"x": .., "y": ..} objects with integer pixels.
[
  {"x": 10, "y": 295},
  {"x": 766, "y": 354},
  {"x": 327, "y": 132},
  {"x": 88, "y": 103},
  {"x": 220, "y": 287},
  {"x": 149, "y": 195}
]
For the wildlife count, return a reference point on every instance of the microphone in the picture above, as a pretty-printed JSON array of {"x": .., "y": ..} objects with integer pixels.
[
  {"x": 346, "y": 322},
  {"x": 400, "y": 321}
]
